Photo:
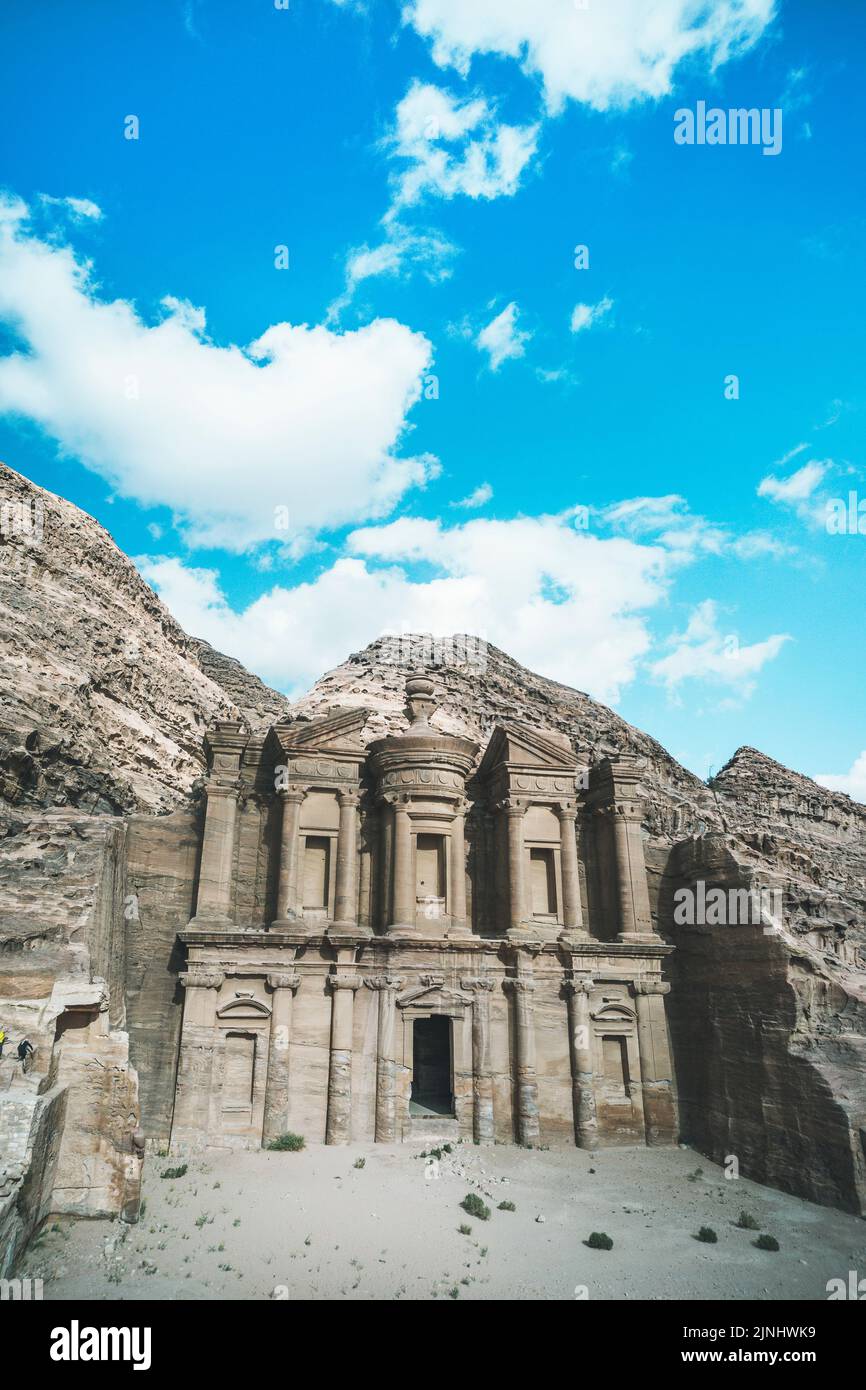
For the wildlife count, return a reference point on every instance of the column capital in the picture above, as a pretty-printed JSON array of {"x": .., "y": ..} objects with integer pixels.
[
  {"x": 202, "y": 979},
  {"x": 291, "y": 794},
  {"x": 384, "y": 982},
  {"x": 512, "y": 806},
  {"x": 289, "y": 979},
  {"x": 337, "y": 982},
  {"x": 214, "y": 790},
  {"x": 518, "y": 985},
  {"x": 348, "y": 797},
  {"x": 585, "y": 986},
  {"x": 639, "y": 987},
  {"x": 399, "y": 801},
  {"x": 627, "y": 810},
  {"x": 566, "y": 810},
  {"x": 479, "y": 984}
]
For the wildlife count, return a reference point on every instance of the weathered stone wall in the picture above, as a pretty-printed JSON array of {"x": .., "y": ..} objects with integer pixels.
[
  {"x": 162, "y": 864},
  {"x": 769, "y": 1049}
]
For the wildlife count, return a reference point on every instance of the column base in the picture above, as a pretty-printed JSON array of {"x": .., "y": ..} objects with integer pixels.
[
  {"x": 574, "y": 939},
  {"x": 629, "y": 938},
  {"x": 528, "y": 935}
]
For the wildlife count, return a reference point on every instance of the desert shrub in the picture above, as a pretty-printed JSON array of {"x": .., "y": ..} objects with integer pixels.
[
  {"x": 506, "y": 1206},
  {"x": 464, "y": 1230},
  {"x": 287, "y": 1143},
  {"x": 599, "y": 1241},
  {"x": 707, "y": 1235},
  {"x": 747, "y": 1222},
  {"x": 360, "y": 1163},
  {"x": 174, "y": 1172},
  {"x": 473, "y": 1206},
  {"x": 766, "y": 1242}
]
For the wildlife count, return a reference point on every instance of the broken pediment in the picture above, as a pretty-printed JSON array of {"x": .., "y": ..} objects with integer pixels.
[
  {"x": 521, "y": 746},
  {"x": 338, "y": 731},
  {"x": 433, "y": 994}
]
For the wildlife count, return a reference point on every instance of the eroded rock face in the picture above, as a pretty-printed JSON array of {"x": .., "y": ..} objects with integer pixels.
[{"x": 104, "y": 700}]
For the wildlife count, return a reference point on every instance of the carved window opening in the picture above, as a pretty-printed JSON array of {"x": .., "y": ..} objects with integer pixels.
[
  {"x": 430, "y": 868},
  {"x": 615, "y": 1058},
  {"x": 542, "y": 875},
  {"x": 317, "y": 858}
]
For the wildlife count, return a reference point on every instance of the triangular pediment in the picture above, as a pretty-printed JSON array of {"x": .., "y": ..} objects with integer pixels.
[
  {"x": 523, "y": 746},
  {"x": 338, "y": 731},
  {"x": 434, "y": 996}
]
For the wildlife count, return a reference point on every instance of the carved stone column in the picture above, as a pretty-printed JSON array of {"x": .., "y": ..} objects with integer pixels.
[
  {"x": 283, "y": 986},
  {"x": 459, "y": 926},
  {"x": 580, "y": 1049},
  {"x": 213, "y": 901},
  {"x": 515, "y": 811},
  {"x": 386, "y": 1066},
  {"x": 572, "y": 913},
  {"x": 634, "y": 906},
  {"x": 287, "y": 883},
  {"x": 482, "y": 1074},
  {"x": 346, "y": 893},
  {"x": 655, "y": 1061},
  {"x": 338, "y": 1129},
  {"x": 404, "y": 887},
  {"x": 526, "y": 1085},
  {"x": 191, "y": 1120}
]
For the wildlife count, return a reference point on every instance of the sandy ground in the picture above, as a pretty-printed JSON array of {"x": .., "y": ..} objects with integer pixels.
[{"x": 314, "y": 1225}]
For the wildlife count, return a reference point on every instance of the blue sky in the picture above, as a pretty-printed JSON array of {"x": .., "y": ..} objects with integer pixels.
[{"x": 431, "y": 419}]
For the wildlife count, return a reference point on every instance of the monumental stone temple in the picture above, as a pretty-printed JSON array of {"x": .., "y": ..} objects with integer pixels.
[{"x": 402, "y": 938}]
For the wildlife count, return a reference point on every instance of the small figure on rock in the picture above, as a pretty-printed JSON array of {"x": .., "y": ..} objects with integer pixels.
[
  {"x": 3, "y": 1036},
  {"x": 25, "y": 1050}
]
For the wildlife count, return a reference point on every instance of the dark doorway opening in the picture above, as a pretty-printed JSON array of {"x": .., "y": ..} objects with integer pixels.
[{"x": 431, "y": 1068}]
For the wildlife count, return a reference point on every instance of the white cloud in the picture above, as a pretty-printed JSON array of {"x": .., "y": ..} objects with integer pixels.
[
  {"x": 799, "y": 491},
  {"x": 703, "y": 652},
  {"x": 303, "y": 418},
  {"x": 452, "y": 147},
  {"x": 853, "y": 782},
  {"x": 685, "y": 533},
  {"x": 501, "y": 338},
  {"x": 569, "y": 605},
  {"x": 446, "y": 148},
  {"x": 606, "y": 54},
  {"x": 588, "y": 315},
  {"x": 80, "y": 209},
  {"x": 403, "y": 249},
  {"x": 477, "y": 498}
]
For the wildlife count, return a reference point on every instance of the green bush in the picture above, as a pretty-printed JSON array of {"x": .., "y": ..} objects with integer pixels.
[
  {"x": 506, "y": 1206},
  {"x": 473, "y": 1206},
  {"x": 174, "y": 1172},
  {"x": 464, "y": 1230},
  {"x": 707, "y": 1235},
  {"x": 747, "y": 1222},
  {"x": 766, "y": 1242},
  {"x": 599, "y": 1241},
  {"x": 287, "y": 1143}
]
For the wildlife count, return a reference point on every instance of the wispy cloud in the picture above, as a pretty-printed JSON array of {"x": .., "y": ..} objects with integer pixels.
[
  {"x": 585, "y": 316},
  {"x": 501, "y": 339}
]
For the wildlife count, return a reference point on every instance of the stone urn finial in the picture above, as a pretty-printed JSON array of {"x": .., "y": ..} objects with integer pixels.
[{"x": 420, "y": 700}]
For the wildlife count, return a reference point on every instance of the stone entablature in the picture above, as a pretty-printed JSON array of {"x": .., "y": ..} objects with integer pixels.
[{"x": 475, "y": 933}]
